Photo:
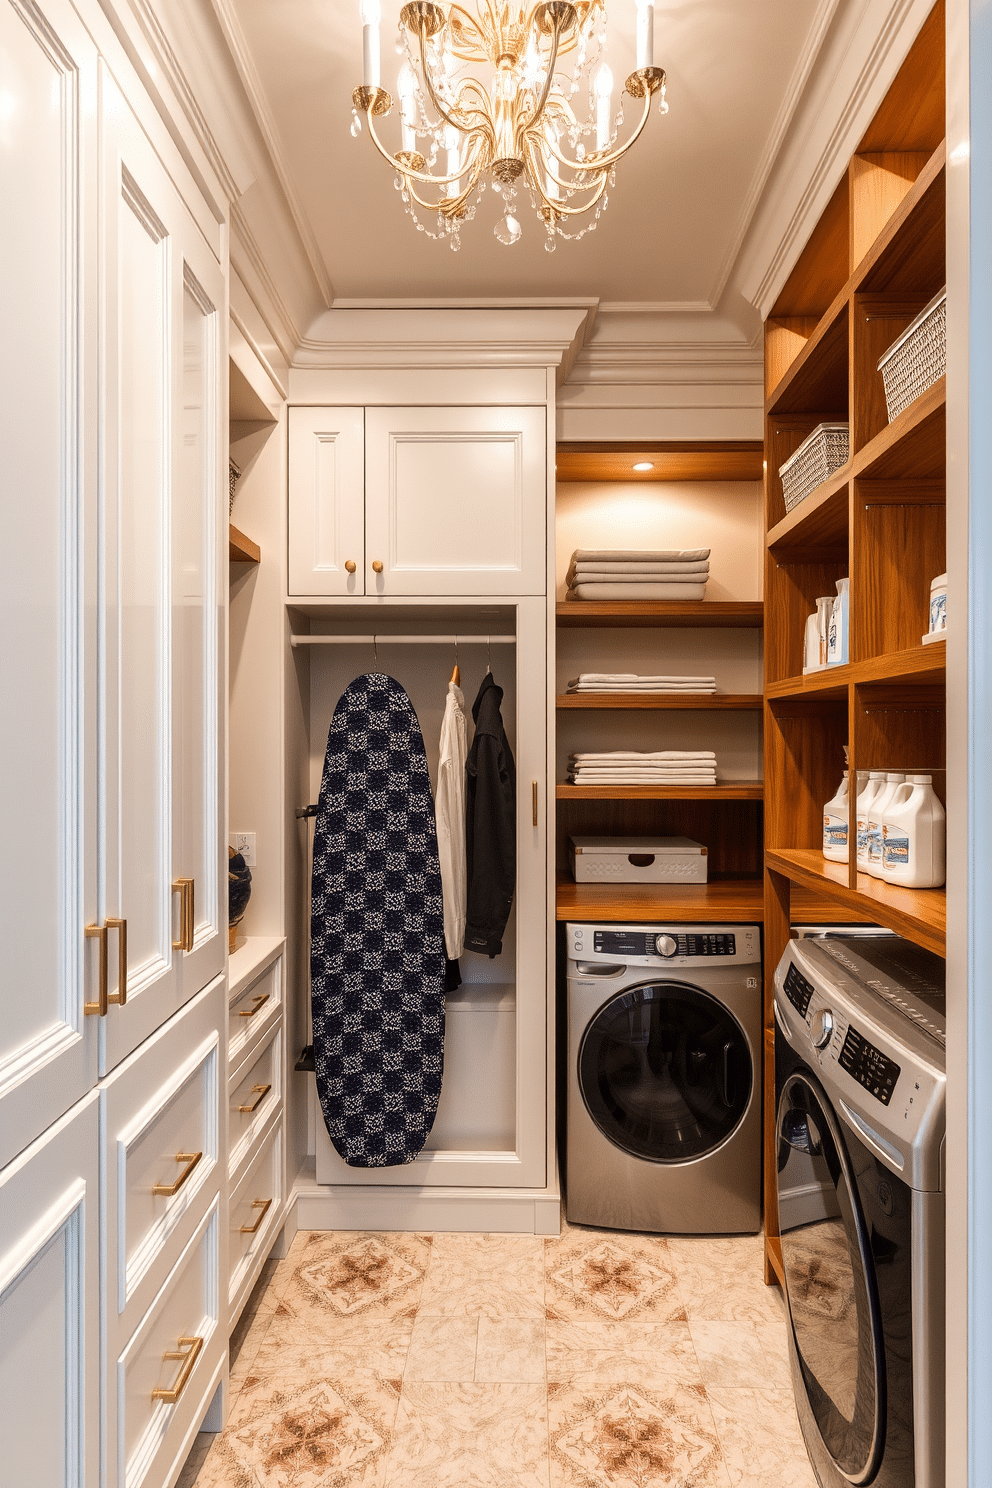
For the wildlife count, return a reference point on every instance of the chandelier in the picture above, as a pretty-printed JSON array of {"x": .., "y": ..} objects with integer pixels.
[{"x": 520, "y": 130}]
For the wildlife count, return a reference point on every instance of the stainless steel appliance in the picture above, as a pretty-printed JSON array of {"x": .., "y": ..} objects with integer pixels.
[
  {"x": 664, "y": 1091},
  {"x": 859, "y": 1078}
]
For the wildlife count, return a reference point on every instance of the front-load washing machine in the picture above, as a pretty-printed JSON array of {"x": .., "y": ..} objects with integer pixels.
[
  {"x": 663, "y": 1120},
  {"x": 859, "y": 1078}
]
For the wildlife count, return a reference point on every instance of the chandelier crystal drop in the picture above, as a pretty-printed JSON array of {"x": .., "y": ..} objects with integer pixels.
[{"x": 482, "y": 99}]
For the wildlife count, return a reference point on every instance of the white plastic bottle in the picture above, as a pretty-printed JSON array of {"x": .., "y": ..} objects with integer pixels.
[
  {"x": 913, "y": 836},
  {"x": 862, "y": 807},
  {"x": 835, "y": 817},
  {"x": 876, "y": 816},
  {"x": 837, "y": 647}
]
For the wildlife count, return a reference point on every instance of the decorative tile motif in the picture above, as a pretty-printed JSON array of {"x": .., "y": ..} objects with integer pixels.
[
  {"x": 360, "y": 1275},
  {"x": 612, "y": 1278},
  {"x": 635, "y": 1437}
]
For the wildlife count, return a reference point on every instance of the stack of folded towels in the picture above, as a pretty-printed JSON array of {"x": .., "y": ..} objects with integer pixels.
[
  {"x": 625, "y": 767},
  {"x": 672, "y": 573},
  {"x": 631, "y": 682}
]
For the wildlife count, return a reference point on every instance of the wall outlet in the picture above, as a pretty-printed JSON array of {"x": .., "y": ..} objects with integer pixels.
[{"x": 244, "y": 843}]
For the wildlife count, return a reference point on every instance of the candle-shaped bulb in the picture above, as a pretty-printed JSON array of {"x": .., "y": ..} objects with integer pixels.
[
  {"x": 603, "y": 87},
  {"x": 645, "y": 33},
  {"x": 406, "y": 87},
  {"x": 452, "y": 160},
  {"x": 371, "y": 16}
]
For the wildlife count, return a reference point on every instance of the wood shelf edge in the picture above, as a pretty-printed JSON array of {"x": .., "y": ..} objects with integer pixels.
[
  {"x": 732, "y": 899},
  {"x": 618, "y": 701},
  {"x": 920, "y": 412},
  {"x": 744, "y": 790},
  {"x": 241, "y": 548},
  {"x": 794, "y": 371},
  {"x": 914, "y": 664},
  {"x": 743, "y": 614},
  {"x": 918, "y": 914},
  {"x": 784, "y": 533}
]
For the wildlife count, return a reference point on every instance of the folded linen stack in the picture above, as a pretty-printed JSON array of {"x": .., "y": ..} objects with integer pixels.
[
  {"x": 631, "y": 682},
  {"x": 628, "y": 767},
  {"x": 668, "y": 573}
]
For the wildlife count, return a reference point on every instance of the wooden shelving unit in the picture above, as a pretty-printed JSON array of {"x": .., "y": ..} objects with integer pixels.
[
  {"x": 737, "y": 790},
  {"x": 613, "y": 702},
  {"x": 747, "y": 614},
  {"x": 875, "y": 259},
  {"x": 242, "y": 549},
  {"x": 721, "y": 899}
]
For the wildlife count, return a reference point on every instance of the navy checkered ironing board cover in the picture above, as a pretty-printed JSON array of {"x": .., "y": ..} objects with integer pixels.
[{"x": 377, "y": 931}]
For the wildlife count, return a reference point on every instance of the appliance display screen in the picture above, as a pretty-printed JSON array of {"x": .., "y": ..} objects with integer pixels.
[
  {"x": 798, "y": 990},
  {"x": 869, "y": 1066},
  {"x": 622, "y": 943}
]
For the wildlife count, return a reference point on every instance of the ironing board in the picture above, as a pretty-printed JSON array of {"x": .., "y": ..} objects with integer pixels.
[{"x": 376, "y": 931}]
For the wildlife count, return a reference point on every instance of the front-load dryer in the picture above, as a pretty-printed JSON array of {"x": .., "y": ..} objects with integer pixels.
[
  {"x": 663, "y": 1125},
  {"x": 859, "y": 1078}
]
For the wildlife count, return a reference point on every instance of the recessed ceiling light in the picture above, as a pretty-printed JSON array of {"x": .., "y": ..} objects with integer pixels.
[{"x": 644, "y": 465}]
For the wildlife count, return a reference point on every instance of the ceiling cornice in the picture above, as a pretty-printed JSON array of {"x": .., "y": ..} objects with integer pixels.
[{"x": 250, "y": 263}]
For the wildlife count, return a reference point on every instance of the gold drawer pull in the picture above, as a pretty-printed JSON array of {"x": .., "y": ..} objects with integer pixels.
[
  {"x": 120, "y": 996},
  {"x": 350, "y": 566},
  {"x": 263, "y": 1091},
  {"x": 377, "y": 566},
  {"x": 184, "y": 888},
  {"x": 265, "y": 1205},
  {"x": 99, "y": 932},
  {"x": 260, "y": 998},
  {"x": 166, "y": 1190},
  {"x": 195, "y": 1346}
]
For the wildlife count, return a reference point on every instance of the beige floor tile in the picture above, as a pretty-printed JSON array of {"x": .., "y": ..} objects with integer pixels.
[
  {"x": 774, "y": 1340},
  {"x": 443, "y": 1350},
  {"x": 511, "y": 1351},
  {"x": 196, "y": 1460},
  {"x": 611, "y": 1276},
  {"x": 600, "y": 1352},
  {"x": 495, "y": 1276},
  {"x": 634, "y": 1436},
  {"x": 299, "y": 1339},
  {"x": 470, "y": 1436},
  {"x": 728, "y": 1353},
  {"x": 722, "y": 1280},
  {"x": 357, "y": 1275},
  {"x": 761, "y": 1439}
]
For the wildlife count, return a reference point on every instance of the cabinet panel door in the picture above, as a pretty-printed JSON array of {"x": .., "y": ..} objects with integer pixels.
[
  {"x": 326, "y": 500},
  {"x": 49, "y": 1307},
  {"x": 48, "y": 1047},
  {"x": 455, "y": 500}
]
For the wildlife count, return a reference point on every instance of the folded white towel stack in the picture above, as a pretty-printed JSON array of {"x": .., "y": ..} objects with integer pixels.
[
  {"x": 667, "y": 573},
  {"x": 631, "y": 682},
  {"x": 629, "y": 767}
]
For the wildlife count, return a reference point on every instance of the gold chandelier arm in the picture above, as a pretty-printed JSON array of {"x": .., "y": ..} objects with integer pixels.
[
  {"x": 605, "y": 162},
  {"x": 410, "y": 174},
  {"x": 429, "y": 85},
  {"x": 545, "y": 91},
  {"x": 534, "y": 164}
]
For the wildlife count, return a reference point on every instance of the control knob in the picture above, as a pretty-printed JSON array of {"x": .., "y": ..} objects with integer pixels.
[
  {"x": 821, "y": 1028},
  {"x": 666, "y": 945}
]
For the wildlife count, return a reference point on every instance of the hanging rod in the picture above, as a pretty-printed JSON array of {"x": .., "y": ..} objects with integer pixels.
[{"x": 404, "y": 640}]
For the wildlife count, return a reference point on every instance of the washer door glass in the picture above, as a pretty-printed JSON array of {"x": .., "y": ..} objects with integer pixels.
[
  {"x": 665, "y": 1071},
  {"x": 830, "y": 1280}
]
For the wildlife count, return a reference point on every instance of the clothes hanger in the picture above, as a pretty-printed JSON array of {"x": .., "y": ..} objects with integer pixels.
[
  {"x": 456, "y": 676},
  {"x": 489, "y": 655}
]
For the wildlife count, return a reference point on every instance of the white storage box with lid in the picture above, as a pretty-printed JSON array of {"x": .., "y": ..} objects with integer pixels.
[
  {"x": 918, "y": 359},
  {"x": 821, "y": 454},
  {"x": 637, "y": 860}
]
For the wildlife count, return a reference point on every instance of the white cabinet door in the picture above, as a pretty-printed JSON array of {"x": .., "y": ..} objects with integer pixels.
[
  {"x": 162, "y": 617},
  {"x": 48, "y": 1047},
  {"x": 49, "y": 1308},
  {"x": 455, "y": 500},
  {"x": 326, "y": 501}
]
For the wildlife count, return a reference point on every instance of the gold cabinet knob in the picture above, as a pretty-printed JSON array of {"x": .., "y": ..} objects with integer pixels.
[
  {"x": 350, "y": 565},
  {"x": 377, "y": 567}
]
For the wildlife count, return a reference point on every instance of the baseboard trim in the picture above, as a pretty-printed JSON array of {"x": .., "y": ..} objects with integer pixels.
[{"x": 316, "y": 1206}]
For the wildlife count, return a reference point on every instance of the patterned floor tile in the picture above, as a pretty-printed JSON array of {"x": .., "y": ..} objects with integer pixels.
[
  {"x": 596, "y": 1352},
  {"x": 761, "y": 1440},
  {"x": 634, "y": 1436},
  {"x": 494, "y": 1276},
  {"x": 611, "y": 1277},
  {"x": 470, "y": 1436},
  {"x": 358, "y": 1275}
]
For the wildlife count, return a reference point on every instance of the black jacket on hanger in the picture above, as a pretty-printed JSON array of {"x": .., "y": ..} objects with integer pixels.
[{"x": 491, "y": 826}]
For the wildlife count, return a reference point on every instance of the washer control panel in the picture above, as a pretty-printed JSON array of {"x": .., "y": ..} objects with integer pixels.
[
  {"x": 657, "y": 945},
  {"x": 868, "y": 1065}
]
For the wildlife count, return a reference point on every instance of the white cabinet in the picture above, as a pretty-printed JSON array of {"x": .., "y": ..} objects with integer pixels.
[{"x": 422, "y": 501}]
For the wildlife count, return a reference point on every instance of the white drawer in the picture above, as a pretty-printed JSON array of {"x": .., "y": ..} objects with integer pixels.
[
  {"x": 177, "y": 1348},
  {"x": 254, "y": 1095},
  {"x": 160, "y": 1113},
  {"x": 256, "y": 1215},
  {"x": 253, "y": 1011}
]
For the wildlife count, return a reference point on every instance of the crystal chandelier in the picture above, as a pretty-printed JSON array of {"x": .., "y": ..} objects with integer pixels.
[{"x": 519, "y": 131}]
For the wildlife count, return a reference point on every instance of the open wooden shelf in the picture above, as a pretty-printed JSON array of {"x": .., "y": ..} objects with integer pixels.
[
  {"x": 736, "y": 614},
  {"x": 670, "y": 460},
  {"x": 729, "y": 899},
  {"x": 610, "y": 702},
  {"x": 918, "y": 914},
  {"x": 922, "y": 666},
  {"x": 738, "y": 790},
  {"x": 818, "y": 522},
  {"x": 913, "y": 446},
  {"x": 242, "y": 549}
]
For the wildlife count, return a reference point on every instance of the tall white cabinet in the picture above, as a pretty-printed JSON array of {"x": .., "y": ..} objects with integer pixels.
[{"x": 113, "y": 1030}]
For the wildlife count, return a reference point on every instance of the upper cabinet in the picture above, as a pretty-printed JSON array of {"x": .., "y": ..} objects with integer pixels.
[{"x": 417, "y": 501}]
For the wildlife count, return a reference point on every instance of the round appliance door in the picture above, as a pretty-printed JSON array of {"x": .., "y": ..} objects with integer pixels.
[
  {"x": 830, "y": 1281},
  {"x": 665, "y": 1071}
]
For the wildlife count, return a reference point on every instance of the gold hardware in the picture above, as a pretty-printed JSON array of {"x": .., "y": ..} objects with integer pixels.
[
  {"x": 120, "y": 996},
  {"x": 645, "y": 81},
  {"x": 166, "y": 1190},
  {"x": 374, "y": 100},
  {"x": 99, "y": 932},
  {"x": 184, "y": 888},
  {"x": 195, "y": 1346},
  {"x": 533, "y": 792},
  {"x": 263, "y": 1091},
  {"x": 265, "y": 1205},
  {"x": 377, "y": 566},
  {"x": 410, "y": 160},
  {"x": 260, "y": 997},
  {"x": 350, "y": 565},
  {"x": 422, "y": 15}
]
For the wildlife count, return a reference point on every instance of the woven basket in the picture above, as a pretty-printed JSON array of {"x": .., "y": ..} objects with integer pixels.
[
  {"x": 815, "y": 461},
  {"x": 233, "y": 475},
  {"x": 917, "y": 359}
]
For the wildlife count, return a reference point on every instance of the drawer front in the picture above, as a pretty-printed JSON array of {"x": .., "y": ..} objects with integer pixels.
[
  {"x": 255, "y": 1094},
  {"x": 253, "y": 1012},
  {"x": 256, "y": 1207},
  {"x": 170, "y": 1364}
]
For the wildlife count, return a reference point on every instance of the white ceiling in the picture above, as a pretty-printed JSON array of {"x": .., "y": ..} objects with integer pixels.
[{"x": 682, "y": 198}]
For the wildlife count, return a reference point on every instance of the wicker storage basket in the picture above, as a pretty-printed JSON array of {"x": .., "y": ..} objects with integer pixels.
[
  {"x": 233, "y": 475},
  {"x": 917, "y": 359},
  {"x": 815, "y": 461}
]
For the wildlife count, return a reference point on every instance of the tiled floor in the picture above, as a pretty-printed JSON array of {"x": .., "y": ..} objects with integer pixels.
[{"x": 594, "y": 1360}]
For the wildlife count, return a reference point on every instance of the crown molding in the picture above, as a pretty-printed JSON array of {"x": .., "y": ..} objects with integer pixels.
[
  {"x": 253, "y": 269},
  {"x": 632, "y": 363}
]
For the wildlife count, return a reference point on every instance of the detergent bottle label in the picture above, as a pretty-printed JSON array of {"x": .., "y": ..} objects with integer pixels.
[
  {"x": 895, "y": 847},
  {"x": 834, "y": 830}
]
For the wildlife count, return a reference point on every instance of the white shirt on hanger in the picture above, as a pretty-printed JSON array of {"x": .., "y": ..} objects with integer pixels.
[{"x": 449, "y": 812}]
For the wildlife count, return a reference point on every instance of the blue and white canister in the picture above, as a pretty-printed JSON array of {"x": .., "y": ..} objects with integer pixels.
[{"x": 938, "y": 604}]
